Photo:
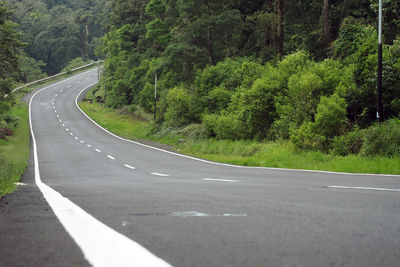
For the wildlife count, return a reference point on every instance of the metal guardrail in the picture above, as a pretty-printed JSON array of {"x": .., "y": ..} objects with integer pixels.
[{"x": 54, "y": 76}]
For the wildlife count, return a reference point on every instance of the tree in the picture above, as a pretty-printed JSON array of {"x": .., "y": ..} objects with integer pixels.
[{"x": 9, "y": 45}]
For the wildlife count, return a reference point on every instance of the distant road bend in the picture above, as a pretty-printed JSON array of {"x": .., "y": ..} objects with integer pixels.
[{"x": 125, "y": 204}]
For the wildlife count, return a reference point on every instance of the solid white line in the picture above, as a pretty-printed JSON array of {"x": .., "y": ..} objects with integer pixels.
[
  {"x": 129, "y": 166},
  {"x": 98, "y": 150},
  {"x": 364, "y": 188},
  {"x": 110, "y": 157},
  {"x": 220, "y": 180},
  {"x": 217, "y": 163},
  {"x": 160, "y": 174},
  {"x": 101, "y": 245}
]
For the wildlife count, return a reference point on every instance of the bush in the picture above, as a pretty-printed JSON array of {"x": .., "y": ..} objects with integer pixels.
[
  {"x": 194, "y": 131},
  {"x": 329, "y": 122},
  {"x": 181, "y": 108},
  {"x": 350, "y": 143},
  {"x": 382, "y": 139}
]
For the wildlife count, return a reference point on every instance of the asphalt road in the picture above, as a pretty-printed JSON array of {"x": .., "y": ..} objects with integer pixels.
[{"x": 184, "y": 211}]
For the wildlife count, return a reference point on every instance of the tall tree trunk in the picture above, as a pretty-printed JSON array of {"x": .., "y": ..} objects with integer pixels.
[
  {"x": 280, "y": 36},
  {"x": 210, "y": 39},
  {"x": 327, "y": 24}
]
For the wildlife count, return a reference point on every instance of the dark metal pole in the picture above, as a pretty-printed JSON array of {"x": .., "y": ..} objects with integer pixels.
[
  {"x": 155, "y": 96},
  {"x": 379, "y": 85}
]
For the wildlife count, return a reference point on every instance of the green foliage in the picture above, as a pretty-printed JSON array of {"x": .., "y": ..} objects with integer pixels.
[
  {"x": 329, "y": 122},
  {"x": 382, "y": 139},
  {"x": 156, "y": 8},
  {"x": 75, "y": 63},
  {"x": 350, "y": 143},
  {"x": 180, "y": 108}
]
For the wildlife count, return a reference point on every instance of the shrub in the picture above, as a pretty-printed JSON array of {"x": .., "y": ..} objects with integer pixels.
[
  {"x": 181, "y": 108},
  {"x": 350, "y": 143},
  {"x": 382, "y": 139},
  {"x": 194, "y": 131},
  {"x": 329, "y": 122}
]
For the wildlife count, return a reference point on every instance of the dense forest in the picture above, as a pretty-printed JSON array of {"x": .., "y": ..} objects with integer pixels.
[
  {"x": 295, "y": 70},
  {"x": 57, "y": 32}
]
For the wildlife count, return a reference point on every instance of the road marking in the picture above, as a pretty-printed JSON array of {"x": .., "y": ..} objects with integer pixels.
[
  {"x": 100, "y": 244},
  {"x": 60, "y": 120},
  {"x": 63, "y": 125},
  {"x": 110, "y": 157},
  {"x": 72, "y": 134},
  {"x": 218, "y": 163},
  {"x": 89, "y": 145},
  {"x": 160, "y": 174},
  {"x": 129, "y": 166},
  {"x": 364, "y": 188},
  {"x": 55, "y": 111},
  {"x": 76, "y": 138},
  {"x": 19, "y": 184},
  {"x": 220, "y": 180},
  {"x": 58, "y": 116},
  {"x": 55, "y": 95},
  {"x": 67, "y": 129},
  {"x": 98, "y": 150},
  {"x": 81, "y": 141},
  {"x": 69, "y": 86},
  {"x": 62, "y": 90},
  {"x": 200, "y": 214}
]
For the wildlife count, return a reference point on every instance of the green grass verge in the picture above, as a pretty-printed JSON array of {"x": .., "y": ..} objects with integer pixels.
[
  {"x": 14, "y": 151},
  {"x": 247, "y": 153}
]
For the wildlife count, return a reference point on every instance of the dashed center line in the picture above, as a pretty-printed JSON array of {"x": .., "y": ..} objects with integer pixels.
[
  {"x": 220, "y": 180},
  {"x": 160, "y": 174},
  {"x": 89, "y": 145},
  {"x": 63, "y": 125},
  {"x": 60, "y": 120},
  {"x": 82, "y": 141},
  {"x": 72, "y": 134},
  {"x": 76, "y": 138},
  {"x": 58, "y": 116},
  {"x": 110, "y": 157},
  {"x": 129, "y": 166},
  {"x": 98, "y": 150},
  {"x": 67, "y": 129}
]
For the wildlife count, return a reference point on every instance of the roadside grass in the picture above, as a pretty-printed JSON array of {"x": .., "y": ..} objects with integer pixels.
[
  {"x": 247, "y": 153},
  {"x": 14, "y": 151}
]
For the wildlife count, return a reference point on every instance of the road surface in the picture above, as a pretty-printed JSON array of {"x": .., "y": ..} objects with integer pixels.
[{"x": 90, "y": 198}]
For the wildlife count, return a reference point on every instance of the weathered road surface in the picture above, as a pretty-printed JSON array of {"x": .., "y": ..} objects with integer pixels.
[{"x": 116, "y": 195}]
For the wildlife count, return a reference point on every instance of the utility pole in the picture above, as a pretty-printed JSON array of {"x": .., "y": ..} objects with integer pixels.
[
  {"x": 155, "y": 96},
  {"x": 379, "y": 85}
]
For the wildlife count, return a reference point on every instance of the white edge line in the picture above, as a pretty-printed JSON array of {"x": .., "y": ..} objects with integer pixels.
[
  {"x": 217, "y": 163},
  {"x": 364, "y": 188},
  {"x": 101, "y": 245},
  {"x": 220, "y": 180}
]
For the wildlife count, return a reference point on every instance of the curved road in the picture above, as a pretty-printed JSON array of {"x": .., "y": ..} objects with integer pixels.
[{"x": 116, "y": 195}]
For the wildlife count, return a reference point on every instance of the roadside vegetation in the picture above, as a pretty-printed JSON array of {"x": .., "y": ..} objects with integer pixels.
[
  {"x": 278, "y": 154},
  {"x": 298, "y": 78}
]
